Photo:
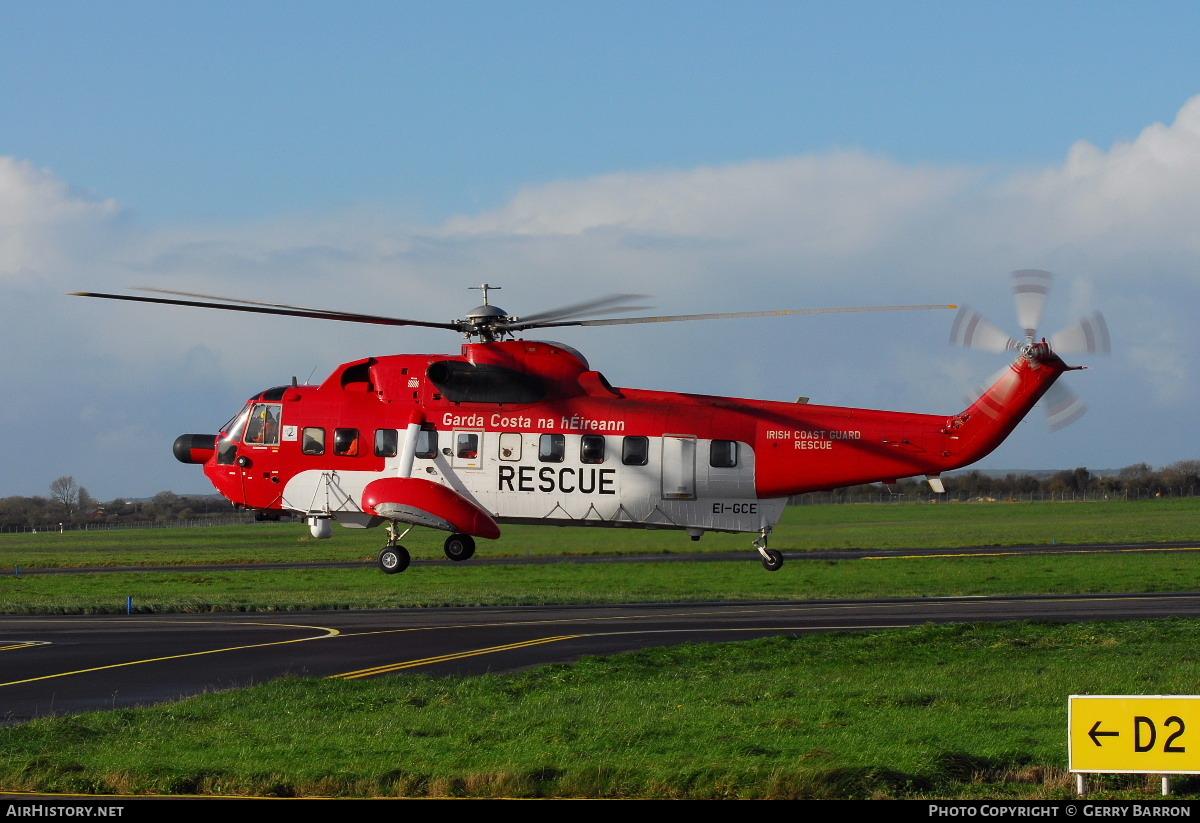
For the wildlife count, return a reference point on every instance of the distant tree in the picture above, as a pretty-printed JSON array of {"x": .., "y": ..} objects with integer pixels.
[
  {"x": 1182, "y": 474},
  {"x": 1136, "y": 471},
  {"x": 87, "y": 504},
  {"x": 65, "y": 492},
  {"x": 1075, "y": 480}
]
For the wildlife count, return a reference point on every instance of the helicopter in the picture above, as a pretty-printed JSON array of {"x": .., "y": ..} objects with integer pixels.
[{"x": 516, "y": 431}]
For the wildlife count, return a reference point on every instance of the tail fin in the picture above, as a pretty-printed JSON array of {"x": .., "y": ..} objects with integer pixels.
[{"x": 991, "y": 418}]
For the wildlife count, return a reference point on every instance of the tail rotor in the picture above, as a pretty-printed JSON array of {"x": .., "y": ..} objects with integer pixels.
[{"x": 1088, "y": 335}]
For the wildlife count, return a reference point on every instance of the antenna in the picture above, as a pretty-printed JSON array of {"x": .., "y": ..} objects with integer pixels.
[{"x": 484, "y": 288}]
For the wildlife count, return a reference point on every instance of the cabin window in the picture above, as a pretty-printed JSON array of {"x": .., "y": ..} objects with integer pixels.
[
  {"x": 591, "y": 448},
  {"x": 635, "y": 451},
  {"x": 466, "y": 445},
  {"x": 262, "y": 429},
  {"x": 552, "y": 448},
  {"x": 387, "y": 442},
  {"x": 723, "y": 454},
  {"x": 345, "y": 442},
  {"x": 313, "y": 441},
  {"x": 510, "y": 446},
  {"x": 427, "y": 444}
]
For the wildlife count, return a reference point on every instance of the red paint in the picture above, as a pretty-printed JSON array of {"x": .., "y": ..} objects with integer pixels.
[
  {"x": 431, "y": 498},
  {"x": 797, "y": 447}
]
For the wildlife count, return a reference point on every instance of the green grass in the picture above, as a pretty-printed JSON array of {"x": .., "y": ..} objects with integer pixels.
[
  {"x": 804, "y": 528},
  {"x": 559, "y": 583},
  {"x": 934, "y": 711}
]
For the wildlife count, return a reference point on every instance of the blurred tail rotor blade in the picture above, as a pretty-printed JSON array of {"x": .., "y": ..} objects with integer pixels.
[
  {"x": 972, "y": 331},
  {"x": 998, "y": 388},
  {"x": 1030, "y": 287},
  {"x": 1062, "y": 406},
  {"x": 1089, "y": 335}
]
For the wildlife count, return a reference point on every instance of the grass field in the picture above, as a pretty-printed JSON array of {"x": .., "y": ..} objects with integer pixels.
[
  {"x": 935, "y": 711},
  {"x": 965, "y": 711},
  {"x": 804, "y": 528}
]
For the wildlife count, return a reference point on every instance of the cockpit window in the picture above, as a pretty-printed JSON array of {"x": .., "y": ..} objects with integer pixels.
[
  {"x": 227, "y": 445},
  {"x": 262, "y": 429},
  {"x": 234, "y": 426}
]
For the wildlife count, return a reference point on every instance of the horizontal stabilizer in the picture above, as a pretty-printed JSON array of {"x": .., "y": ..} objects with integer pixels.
[{"x": 425, "y": 503}]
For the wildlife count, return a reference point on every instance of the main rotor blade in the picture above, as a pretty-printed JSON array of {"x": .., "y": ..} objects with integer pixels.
[
  {"x": 257, "y": 307},
  {"x": 611, "y": 303},
  {"x": 617, "y": 321},
  {"x": 1089, "y": 335},
  {"x": 218, "y": 297},
  {"x": 972, "y": 331},
  {"x": 1030, "y": 287}
]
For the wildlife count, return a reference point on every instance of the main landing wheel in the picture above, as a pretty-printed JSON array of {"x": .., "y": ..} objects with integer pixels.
[
  {"x": 459, "y": 547},
  {"x": 394, "y": 559},
  {"x": 773, "y": 561}
]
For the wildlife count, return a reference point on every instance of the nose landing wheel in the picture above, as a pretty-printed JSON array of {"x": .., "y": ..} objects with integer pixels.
[{"x": 394, "y": 558}]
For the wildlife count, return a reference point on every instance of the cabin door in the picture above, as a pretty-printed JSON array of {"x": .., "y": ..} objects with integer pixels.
[{"x": 679, "y": 467}]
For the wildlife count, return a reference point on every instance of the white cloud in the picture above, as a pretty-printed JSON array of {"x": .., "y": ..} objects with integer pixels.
[
  {"x": 43, "y": 222},
  {"x": 1135, "y": 198},
  {"x": 828, "y": 206},
  {"x": 844, "y": 228}
]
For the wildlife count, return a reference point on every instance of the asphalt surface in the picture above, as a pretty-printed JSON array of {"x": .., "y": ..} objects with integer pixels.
[{"x": 61, "y": 664}]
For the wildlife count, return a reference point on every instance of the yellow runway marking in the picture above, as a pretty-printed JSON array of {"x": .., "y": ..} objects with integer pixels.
[
  {"x": 328, "y": 633},
  {"x": 799, "y": 606},
  {"x": 411, "y": 664},
  {"x": 802, "y": 606},
  {"x": 13, "y": 645}
]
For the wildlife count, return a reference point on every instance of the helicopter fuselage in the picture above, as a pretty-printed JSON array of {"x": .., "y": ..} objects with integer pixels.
[{"x": 522, "y": 431}]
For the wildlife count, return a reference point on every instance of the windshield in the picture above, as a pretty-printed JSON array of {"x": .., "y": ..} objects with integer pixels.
[{"x": 232, "y": 429}]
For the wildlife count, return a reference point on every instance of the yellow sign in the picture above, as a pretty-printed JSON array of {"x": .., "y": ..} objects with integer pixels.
[{"x": 1159, "y": 734}]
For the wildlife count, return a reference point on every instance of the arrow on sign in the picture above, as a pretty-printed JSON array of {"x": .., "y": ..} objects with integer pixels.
[{"x": 1096, "y": 734}]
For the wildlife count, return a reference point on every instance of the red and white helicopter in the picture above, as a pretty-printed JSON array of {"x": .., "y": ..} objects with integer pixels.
[{"x": 522, "y": 431}]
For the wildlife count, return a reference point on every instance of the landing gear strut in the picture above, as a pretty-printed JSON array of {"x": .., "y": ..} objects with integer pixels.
[
  {"x": 394, "y": 557},
  {"x": 772, "y": 560},
  {"x": 459, "y": 547}
]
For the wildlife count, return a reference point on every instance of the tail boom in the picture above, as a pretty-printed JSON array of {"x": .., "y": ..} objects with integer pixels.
[{"x": 826, "y": 448}]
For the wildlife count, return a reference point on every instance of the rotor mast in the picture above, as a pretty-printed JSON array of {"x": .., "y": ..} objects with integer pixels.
[{"x": 485, "y": 322}]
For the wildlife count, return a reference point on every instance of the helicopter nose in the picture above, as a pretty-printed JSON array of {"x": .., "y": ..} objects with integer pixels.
[{"x": 194, "y": 448}]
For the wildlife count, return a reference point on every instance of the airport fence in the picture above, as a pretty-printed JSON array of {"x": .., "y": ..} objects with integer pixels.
[
  {"x": 885, "y": 496},
  {"x": 48, "y": 528},
  {"x": 810, "y": 499}
]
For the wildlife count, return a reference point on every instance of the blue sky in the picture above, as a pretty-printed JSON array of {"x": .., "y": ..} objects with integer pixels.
[
  {"x": 220, "y": 109},
  {"x": 720, "y": 156}
]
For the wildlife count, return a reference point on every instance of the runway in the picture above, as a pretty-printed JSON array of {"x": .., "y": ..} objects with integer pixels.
[{"x": 66, "y": 664}]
